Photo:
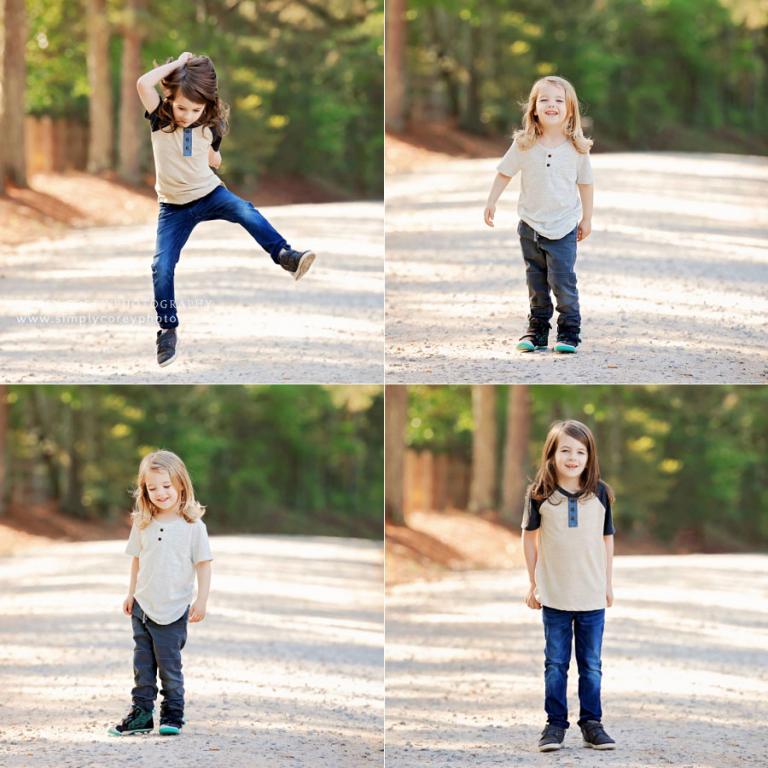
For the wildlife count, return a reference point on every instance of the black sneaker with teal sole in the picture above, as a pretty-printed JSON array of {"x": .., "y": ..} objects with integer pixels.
[
  {"x": 138, "y": 720},
  {"x": 171, "y": 726},
  {"x": 595, "y": 736},
  {"x": 567, "y": 340},
  {"x": 297, "y": 262},
  {"x": 536, "y": 337},
  {"x": 551, "y": 738}
]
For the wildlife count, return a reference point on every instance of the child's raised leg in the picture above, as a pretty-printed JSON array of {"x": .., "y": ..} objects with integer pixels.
[{"x": 223, "y": 204}]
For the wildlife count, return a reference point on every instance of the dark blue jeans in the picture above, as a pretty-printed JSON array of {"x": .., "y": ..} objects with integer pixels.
[
  {"x": 550, "y": 265},
  {"x": 559, "y": 630},
  {"x": 157, "y": 648},
  {"x": 174, "y": 226}
]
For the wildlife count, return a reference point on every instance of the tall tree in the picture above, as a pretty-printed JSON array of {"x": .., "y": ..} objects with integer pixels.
[
  {"x": 3, "y": 444},
  {"x": 482, "y": 489},
  {"x": 130, "y": 112},
  {"x": 394, "y": 63},
  {"x": 100, "y": 145},
  {"x": 515, "y": 452},
  {"x": 13, "y": 165},
  {"x": 396, "y": 417}
]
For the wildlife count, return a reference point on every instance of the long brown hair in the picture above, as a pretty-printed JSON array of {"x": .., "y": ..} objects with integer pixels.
[
  {"x": 545, "y": 482},
  {"x": 195, "y": 80},
  {"x": 531, "y": 130},
  {"x": 157, "y": 461}
]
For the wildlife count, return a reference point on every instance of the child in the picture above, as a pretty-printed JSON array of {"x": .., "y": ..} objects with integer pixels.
[
  {"x": 169, "y": 543},
  {"x": 552, "y": 155},
  {"x": 187, "y": 127},
  {"x": 568, "y": 544}
]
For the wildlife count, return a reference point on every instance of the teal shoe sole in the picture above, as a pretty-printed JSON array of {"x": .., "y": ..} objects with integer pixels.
[
  {"x": 564, "y": 348},
  {"x": 113, "y": 732},
  {"x": 527, "y": 346},
  {"x": 169, "y": 730}
]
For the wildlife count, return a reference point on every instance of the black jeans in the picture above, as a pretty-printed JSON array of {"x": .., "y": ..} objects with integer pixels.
[
  {"x": 157, "y": 648},
  {"x": 550, "y": 264}
]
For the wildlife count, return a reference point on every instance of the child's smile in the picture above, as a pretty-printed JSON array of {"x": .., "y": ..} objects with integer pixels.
[
  {"x": 550, "y": 105},
  {"x": 570, "y": 459},
  {"x": 162, "y": 492}
]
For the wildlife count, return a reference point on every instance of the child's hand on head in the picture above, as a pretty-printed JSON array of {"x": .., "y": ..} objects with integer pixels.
[
  {"x": 185, "y": 57},
  {"x": 488, "y": 214},
  {"x": 128, "y": 605},
  {"x": 530, "y": 598}
]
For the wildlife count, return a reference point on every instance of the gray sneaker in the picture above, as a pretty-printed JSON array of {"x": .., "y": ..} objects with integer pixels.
[
  {"x": 166, "y": 346},
  {"x": 551, "y": 738},
  {"x": 297, "y": 262},
  {"x": 595, "y": 736}
]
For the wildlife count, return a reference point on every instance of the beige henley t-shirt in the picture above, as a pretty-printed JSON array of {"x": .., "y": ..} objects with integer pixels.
[
  {"x": 549, "y": 199},
  {"x": 571, "y": 563},
  {"x": 181, "y": 161}
]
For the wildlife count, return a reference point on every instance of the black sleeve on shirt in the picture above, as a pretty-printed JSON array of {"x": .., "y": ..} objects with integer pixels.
[
  {"x": 531, "y": 514},
  {"x": 154, "y": 117},
  {"x": 216, "y": 143},
  {"x": 602, "y": 495}
]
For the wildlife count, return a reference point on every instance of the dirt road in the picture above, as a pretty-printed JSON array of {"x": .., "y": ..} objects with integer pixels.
[
  {"x": 78, "y": 310},
  {"x": 685, "y": 669},
  {"x": 673, "y": 279},
  {"x": 285, "y": 671}
]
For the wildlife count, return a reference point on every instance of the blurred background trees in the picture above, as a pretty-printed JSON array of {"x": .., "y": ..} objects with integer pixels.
[
  {"x": 651, "y": 74},
  {"x": 688, "y": 464},
  {"x": 279, "y": 459},
  {"x": 304, "y": 79}
]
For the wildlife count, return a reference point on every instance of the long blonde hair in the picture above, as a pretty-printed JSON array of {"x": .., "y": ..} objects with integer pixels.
[
  {"x": 157, "y": 461},
  {"x": 526, "y": 136}
]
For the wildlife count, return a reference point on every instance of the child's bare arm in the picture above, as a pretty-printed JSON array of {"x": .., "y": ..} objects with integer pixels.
[
  {"x": 586, "y": 192},
  {"x": 214, "y": 157},
  {"x": 199, "y": 607},
  {"x": 531, "y": 551},
  {"x": 128, "y": 602},
  {"x": 145, "y": 85},
  {"x": 608, "y": 540},
  {"x": 498, "y": 186}
]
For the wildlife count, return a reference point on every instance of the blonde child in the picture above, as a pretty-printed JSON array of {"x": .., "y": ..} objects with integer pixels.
[
  {"x": 568, "y": 544},
  {"x": 169, "y": 545},
  {"x": 555, "y": 208},
  {"x": 187, "y": 125}
]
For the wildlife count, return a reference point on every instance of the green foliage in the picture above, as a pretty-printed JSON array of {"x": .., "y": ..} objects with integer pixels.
[
  {"x": 684, "y": 462},
  {"x": 671, "y": 74},
  {"x": 283, "y": 459}
]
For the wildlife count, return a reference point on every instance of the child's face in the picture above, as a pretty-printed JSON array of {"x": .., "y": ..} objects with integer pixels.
[
  {"x": 186, "y": 112},
  {"x": 570, "y": 458},
  {"x": 551, "y": 106},
  {"x": 162, "y": 492}
]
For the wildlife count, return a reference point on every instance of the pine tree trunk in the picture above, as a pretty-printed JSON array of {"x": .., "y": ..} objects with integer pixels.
[
  {"x": 13, "y": 164},
  {"x": 395, "y": 421},
  {"x": 100, "y": 144},
  {"x": 394, "y": 62},
  {"x": 130, "y": 106},
  {"x": 482, "y": 490},
  {"x": 513, "y": 479}
]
